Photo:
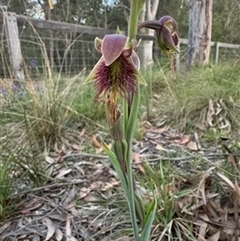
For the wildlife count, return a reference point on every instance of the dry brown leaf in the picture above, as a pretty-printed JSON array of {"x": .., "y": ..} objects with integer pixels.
[
  {"x": 110, "y": 185},
  {"x": 71, "y": 195},
  {"x": 213, "y": 229},
  {"x": 196, "y": 138},
  {"x": 202, "y": 227},
  {"x": 97, "y": 185},
  {"x": 30, "y": 209},
  {"x": 91, "y": 198},
  {"x": 160, "y": 148},
  {"x": 184, "y": 140},
  {"x": 75, "y": 147},
  {"x": 230, "y": 227},
  {"x": 58, "y": 234},
  {"x": 201, "y": 202},
  {"x": 101, "y": 149},
  {"x": 63, "y": 172},
  {"x": 22, "y": 237},
  {"x": 73, "y": 238},
  {"x": 84, "y": 192},
  {"x": 82, "y": 132},
  {"x": 211, "y": 210},
  {"x": 34, "y": 204},
  {"x": 227, "y": 180},
  {"x": 49, "y": 159},
  {"x": 160, "y": 130},
  {"x": 68, "y": 229},
  {"x": 50, "y": 226},
  {"x": 95, "y": 142},
  {"x": 5, "y": 226},
  {"x": 237, "y": 189},
  {"x": 192, "y": 145},
  {"x": 137, "y": 161},
  {"x": 201, "y": 186},
  {"x": 232, "y": 159},
  {"x": 214, "y": 237},
  {"x": 210, "y": 113},
  {"x": 59, "y": 217}
]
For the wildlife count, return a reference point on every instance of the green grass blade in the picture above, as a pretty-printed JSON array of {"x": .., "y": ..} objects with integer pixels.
[
  {"x": 114, "y": 161},
  {"x": 149, "y": 220}
]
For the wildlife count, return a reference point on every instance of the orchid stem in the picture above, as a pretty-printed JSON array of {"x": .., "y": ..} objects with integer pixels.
[
  {"x": 130, "y": 122},
  {"x": 136, "y": 7},
  {"x": 130, "y": 119}
]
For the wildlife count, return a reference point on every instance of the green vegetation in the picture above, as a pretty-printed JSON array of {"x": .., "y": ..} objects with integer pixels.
[{"x": 205, "y": 97}]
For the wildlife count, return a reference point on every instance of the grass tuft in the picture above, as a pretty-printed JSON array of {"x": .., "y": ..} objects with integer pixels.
[
  {"x": 205, "y": 97},
  {"x": 33, "y": 119}
]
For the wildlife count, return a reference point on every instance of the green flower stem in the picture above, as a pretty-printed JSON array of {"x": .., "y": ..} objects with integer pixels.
[
  {"x": 136, "y": 7},
  {"x": 130, "y": 126},
  {"x": 132, "y": 118},
  {"x": 122, "y": 148},
  {"x": 125, "y": 117},
  {"x": 131, "y": 202}
]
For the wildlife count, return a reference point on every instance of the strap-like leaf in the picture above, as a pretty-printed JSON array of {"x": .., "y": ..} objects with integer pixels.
[
  {"x": 116, "y": 165},
  {"x": 146, "y": 231}
]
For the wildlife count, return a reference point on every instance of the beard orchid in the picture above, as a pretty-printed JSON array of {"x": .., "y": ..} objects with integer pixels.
[
  {"x": 116, "y": 73},
  {"x": 166, "y": 33}
]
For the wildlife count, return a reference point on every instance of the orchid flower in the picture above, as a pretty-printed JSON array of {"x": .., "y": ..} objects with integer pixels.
[
  {"x": 166, "y": 33},
  {"x": 116, "y": 73},
  {"x": 116, "y": 76}
]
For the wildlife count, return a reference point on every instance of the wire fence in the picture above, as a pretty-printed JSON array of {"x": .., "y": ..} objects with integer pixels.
[
  {"x": 70, "y": 53},
  {"x": 65, "y": 53}
]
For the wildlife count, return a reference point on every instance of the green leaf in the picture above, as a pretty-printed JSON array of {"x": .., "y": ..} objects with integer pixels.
[
  {"x": 116, "y": 165},
  {"x": 120, "y": 148},
  {"x": 146, "y": 231},
  {"x": 139, "y": 208},
  {"x": 125, "y": 178}
]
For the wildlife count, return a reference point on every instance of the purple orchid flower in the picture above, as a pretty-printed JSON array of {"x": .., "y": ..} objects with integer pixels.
[
  {"x": 116, "y": 73},
  {"x": 166, "y": 33}
]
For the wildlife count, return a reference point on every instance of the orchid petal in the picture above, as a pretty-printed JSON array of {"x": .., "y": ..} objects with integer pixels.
[
  {"x": 127, "y": 52},
  {"x": 167, "y": 40},
  {"x": 98, "y": 44},
  {"x": 92, "y": 74},
  {"x": 152, "y": 24},
  {"x": 169, "y": 22},
  {"x": 135, "y": 60},
  {"x": 112, "y": 47}
]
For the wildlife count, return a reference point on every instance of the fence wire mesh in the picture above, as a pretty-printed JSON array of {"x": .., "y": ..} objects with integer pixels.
[{"x": 70, "y": 53}]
